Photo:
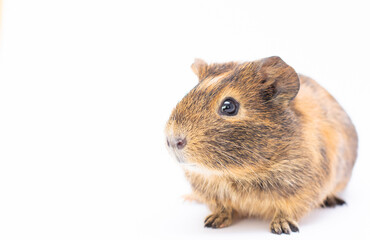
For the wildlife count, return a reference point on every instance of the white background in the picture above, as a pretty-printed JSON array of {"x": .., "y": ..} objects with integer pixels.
[{"x": 86, "y": 88}]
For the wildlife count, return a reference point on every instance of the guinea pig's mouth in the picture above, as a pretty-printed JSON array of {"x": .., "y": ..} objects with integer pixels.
[
  {"x": 179, "y": 157},
  {"x": 200, "y": 169},
  {"x": 180, "y": 160},
  {"x": 177, "y": 154}
]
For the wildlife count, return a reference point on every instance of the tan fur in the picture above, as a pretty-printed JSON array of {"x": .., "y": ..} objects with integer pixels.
[{"x": 298, "y": 150}]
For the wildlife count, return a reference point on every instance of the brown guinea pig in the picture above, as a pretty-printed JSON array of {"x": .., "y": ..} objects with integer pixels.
[{"x": 257, "y": 139}]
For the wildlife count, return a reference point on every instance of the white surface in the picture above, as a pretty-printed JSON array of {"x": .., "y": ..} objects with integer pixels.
[{"x": 87, "y": 86}]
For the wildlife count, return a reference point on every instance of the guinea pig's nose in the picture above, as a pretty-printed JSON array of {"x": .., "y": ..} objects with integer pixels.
[{"x": 180, "y": 143}]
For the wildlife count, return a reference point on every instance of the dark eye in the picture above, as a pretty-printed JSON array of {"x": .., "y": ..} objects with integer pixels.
[{"x": 229, "y": 107}]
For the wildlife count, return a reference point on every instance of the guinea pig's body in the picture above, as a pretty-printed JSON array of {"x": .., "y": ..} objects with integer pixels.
[{"x": 259, "y": 140}]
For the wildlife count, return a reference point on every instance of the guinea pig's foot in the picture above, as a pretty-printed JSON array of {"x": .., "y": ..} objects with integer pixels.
[
  {"x": 283, "y": 225},
  {"x": 332, "y": 201},
  {"x": 218, "y": 220}
]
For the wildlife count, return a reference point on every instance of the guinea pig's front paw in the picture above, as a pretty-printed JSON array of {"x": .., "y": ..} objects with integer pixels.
[
  {"x": 218, "y": 220},
  {"x": 283, "y": 225},
  {"x": 332, "y": 201}
]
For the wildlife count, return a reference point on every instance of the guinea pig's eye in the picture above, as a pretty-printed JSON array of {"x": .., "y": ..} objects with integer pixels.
[{"x": 229, "y": 107}]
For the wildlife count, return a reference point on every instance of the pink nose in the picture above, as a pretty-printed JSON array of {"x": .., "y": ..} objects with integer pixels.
[{"x": 180, "y": 143}]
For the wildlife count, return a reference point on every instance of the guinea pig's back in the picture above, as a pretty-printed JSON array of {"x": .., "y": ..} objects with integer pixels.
[{"x": 328, "y": 129}]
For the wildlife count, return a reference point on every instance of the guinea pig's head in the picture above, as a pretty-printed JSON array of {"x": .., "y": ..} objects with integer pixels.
[{"x": 237, "y": 117}]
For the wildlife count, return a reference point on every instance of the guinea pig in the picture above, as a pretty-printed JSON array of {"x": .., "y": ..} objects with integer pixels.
[{"x": 256, "y": 139}]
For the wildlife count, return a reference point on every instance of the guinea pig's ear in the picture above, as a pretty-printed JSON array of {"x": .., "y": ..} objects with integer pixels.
[
  {"x": 200, "y": 68},
  {"x": 279, "y": 80}
]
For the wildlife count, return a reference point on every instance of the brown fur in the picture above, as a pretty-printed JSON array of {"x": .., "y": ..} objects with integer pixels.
[{"x": 290, "y": 148}]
